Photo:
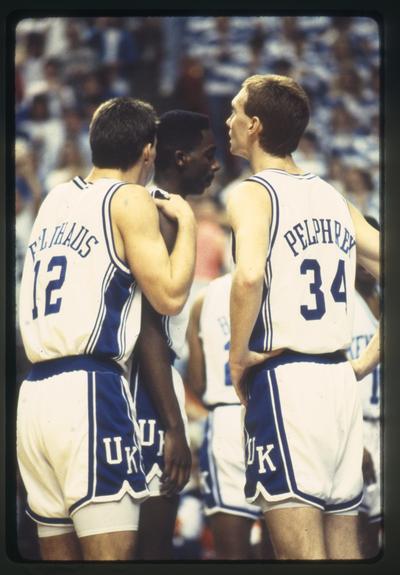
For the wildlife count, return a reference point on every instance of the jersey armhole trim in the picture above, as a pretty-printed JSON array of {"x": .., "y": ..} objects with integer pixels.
[
  {"x": 108, "y": 233},
  {"x": 266, "y": 310}
]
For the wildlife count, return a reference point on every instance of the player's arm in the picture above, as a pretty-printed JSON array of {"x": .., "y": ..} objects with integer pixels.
[
  {"x": 156, "y": 376},
  {"x": 249, "y": 215},
  {"x": 368, "y": 255},
  {"x": 196, "y": 370},
  {"x": 164, "y": 279}
]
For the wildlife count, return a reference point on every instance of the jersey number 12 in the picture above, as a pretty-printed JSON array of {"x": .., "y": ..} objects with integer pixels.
[{"x": 54, "y": 284}]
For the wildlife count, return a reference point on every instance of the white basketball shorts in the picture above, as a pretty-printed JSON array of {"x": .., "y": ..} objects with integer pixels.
[
  {"x": 222, "y": 467},
  {"x": 77, "y": 438},
  {"x": 303, "y": 428}
]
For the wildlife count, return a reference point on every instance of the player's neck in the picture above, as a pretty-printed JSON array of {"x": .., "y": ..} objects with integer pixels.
[
  {"x": 132, "y": 175},
  {"x": 169, "y": 183},
  {"x": 261, "y": 160}
]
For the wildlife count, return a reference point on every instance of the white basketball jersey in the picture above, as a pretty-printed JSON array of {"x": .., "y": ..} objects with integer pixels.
[
  {"x": 77, "y": 297},
  {"x": 215, "y": 334},
  {"x": 364, "y": 327},
  {"x": 174, "y": 326},
  {"x": 308, "y": 292}
]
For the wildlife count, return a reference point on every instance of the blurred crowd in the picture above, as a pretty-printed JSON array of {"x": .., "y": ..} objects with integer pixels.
[{"x": 65, "y": 67}]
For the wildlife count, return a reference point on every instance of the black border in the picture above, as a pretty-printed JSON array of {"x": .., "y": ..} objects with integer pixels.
[{"x": 383, "y": 11}]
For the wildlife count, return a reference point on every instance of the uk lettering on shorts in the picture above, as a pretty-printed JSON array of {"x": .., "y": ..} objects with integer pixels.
[
  {"x": 303, "y": 430},
  {"x": 152, "y": 431},
  {"x": 89, "y": 437}
]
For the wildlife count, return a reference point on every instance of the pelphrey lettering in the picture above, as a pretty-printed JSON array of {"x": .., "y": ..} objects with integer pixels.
[{"x": 319, "y": 231}]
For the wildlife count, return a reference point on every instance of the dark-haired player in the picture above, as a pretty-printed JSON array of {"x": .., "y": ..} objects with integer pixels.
[
  {"x": 185, "y": 165},
  {"x": 94, "y": 247}
]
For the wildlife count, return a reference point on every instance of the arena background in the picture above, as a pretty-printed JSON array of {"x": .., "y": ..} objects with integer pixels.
[{"x": 64, "y": 67}]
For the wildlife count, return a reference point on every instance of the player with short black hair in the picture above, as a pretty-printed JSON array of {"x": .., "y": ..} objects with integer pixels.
[{"x": 185, "y": 165}]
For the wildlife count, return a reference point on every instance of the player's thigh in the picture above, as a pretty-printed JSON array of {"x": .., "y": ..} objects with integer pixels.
[
  {"x": 118, "y": 546},
  {"x": 342, "y": 536},
  {"x": 63, "y": 547},
  {"x": 296, "y": 532},
  {"x": 107, "y": 531},
  {"x": 231, "y": 535},
  {"x": 154, "y": 543}
]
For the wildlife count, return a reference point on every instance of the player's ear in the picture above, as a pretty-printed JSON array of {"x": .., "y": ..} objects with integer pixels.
[
  {"x": 180, "y": 158},
  {"x": 255, "y": 126},
  {"x": 147, "y": 151}
]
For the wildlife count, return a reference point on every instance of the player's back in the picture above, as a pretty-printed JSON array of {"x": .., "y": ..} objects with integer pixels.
[
  {"x": 77, "y": 297},
  {"x": 308, "y": 288},
  {"x": 215, "y": 335}
]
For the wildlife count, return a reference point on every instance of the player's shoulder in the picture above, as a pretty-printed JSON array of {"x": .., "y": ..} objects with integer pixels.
[{"x": 129, "y": 193}]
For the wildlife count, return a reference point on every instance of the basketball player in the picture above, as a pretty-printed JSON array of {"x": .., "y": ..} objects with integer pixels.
[
  {"x": 222, "y": 453},
  {"x": 296, "y": 243},
  {"x": 366, "y": 314},
  {"x": 94, "y": 247},
  {"x": 185, "y": 165}
]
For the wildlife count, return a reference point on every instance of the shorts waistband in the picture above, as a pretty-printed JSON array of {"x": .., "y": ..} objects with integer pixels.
[
  {"x": 290, "y": 356},
  {"x": 44, "y": 369}
]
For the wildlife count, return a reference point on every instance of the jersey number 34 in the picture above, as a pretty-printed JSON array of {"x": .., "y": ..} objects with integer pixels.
[{"x": 338, "y": 288}]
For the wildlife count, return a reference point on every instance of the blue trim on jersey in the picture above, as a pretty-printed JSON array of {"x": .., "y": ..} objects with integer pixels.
[
  {"x": 165, "y": 323},
  {"x": 53, "y": 521},
  {"x": 122, "y": 327},
  {"x": 100, "y": 314},
  {"x": 262, "y": 335},
  {"x": 117, "y": 296},
  {"x": 51, "y": 367},
  {"x": 107, "y": 227},
  {"x": 77, "y": 183}
]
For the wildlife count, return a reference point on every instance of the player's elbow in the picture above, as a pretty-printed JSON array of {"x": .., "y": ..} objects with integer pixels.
[
  {"x": 169, "y": 304},
  {"x": 249, "y": 278}
]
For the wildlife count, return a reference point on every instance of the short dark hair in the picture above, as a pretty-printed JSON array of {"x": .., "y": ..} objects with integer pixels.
[
  {"x": 119, "y": 130},
  {"x": 178, "y": 130},
  {"x": 283, "y": 108}
]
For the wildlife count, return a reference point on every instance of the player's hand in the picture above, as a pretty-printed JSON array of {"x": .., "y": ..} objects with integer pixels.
[
  {"x": 359, "y": 369},
  {"x": 177, "y": 462},
  {"x": 175, "y": 208},
  {"x": 240, "y": 365},
  {"x": 368, "y": 468}
]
